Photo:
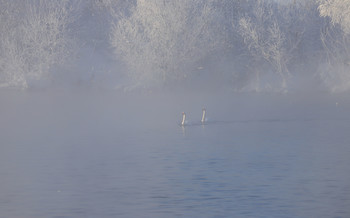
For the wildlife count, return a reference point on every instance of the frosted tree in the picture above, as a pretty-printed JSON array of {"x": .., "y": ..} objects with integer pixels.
[
  {"x": 265, "y": 41},
  {"x": 338, "y": 11},
  {"x": 115, "y": 8},
  {"x": 336, "y": 41},
  {"x": 160, "y": 39},
  {"x": 11, "y": 63},
  {"x": 34, "y": 37}
]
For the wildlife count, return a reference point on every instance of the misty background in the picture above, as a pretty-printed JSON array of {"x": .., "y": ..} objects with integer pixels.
[
  {"x": 92, "y": 93},
  {"x": 245, "y": 45}
]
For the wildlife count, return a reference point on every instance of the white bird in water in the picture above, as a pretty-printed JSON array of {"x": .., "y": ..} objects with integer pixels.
[
  {"x": 203, "y": 116},
  {"x": 183, "y": 119}
]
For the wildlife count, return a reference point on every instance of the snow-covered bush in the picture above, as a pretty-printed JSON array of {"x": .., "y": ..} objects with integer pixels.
[
  {"x": 338, "y": 11},
  {"x": 34, "y": 36},
  {"x": 270, "y": 37},
  {"x": 159, "y": 40},
  {"x": 336, "y": 42}
]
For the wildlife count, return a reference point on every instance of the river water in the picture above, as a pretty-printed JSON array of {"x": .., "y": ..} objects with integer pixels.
[{"x": 70, "y": 156}]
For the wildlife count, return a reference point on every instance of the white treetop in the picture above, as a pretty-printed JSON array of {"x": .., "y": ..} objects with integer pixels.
[{"x": 338, "y": 11}]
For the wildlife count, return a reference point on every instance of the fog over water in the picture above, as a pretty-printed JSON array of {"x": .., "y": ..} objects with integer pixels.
[
  {"x": 92, "y": 154},
  {"x": 92, "y": 95}
]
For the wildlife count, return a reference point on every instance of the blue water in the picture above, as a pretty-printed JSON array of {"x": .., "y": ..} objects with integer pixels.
[{"x": 97, "y": 159}]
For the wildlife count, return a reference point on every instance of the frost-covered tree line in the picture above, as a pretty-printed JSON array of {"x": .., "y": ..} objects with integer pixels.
[{"x": 261, "y": 45}]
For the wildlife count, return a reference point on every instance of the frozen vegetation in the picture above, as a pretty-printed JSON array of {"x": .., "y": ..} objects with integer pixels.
[
  {"x": 247, "y": 45},
  {"x": 92, "y": 91}
]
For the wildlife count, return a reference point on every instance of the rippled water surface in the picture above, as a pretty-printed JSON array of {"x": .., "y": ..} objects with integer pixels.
[{"x": 110, "y": 158}]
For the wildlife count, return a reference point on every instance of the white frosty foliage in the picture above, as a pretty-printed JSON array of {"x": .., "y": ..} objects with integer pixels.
[
  {"x": 335, "y": 70},
  {"x": 259, "y": 45},
  {"x": 34, "y": 37},
  {"x": 338, "y": 11},
  {"x": 160, "y": 39},
  {"x": 336, "y": 42},
  {"x": 270, "y": 37}
]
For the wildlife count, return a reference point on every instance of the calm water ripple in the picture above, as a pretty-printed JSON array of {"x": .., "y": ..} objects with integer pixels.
[{"x": 244, "y": 169}]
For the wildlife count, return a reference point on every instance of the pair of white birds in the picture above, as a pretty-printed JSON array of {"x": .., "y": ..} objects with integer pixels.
[{"x": 183, "y": 122}]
